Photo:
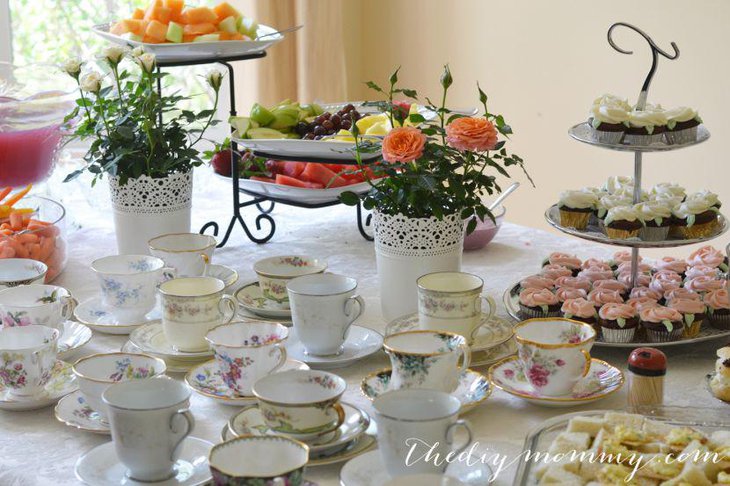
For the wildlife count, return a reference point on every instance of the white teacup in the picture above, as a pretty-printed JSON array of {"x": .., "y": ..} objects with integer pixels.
[
  {"x": 27, "y": 357},
  {"x": 96, "y": 373},
  {"x": 192, "y": 306},
  {"x": 323, "y": 307},
  {"x": 188, "y": 253},
  {"x": 21, "y": 271},
  {"x": 276, "y": 272},
  {"x": 247, "y": 351},
  {"x": 452, "y": 302},
  {"x": 128, "y": 283},
  {"x": 412, "y": 422},
  {"x": 427, "y": 359},
  {"x": 554, "y": 353},
  {"x": 149, "y": 420},
  {"x": 41, "y": 305},
  {"x": 265, "y": 460}
]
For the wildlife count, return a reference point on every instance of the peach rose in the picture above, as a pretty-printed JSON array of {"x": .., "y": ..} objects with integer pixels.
[
  {"x": 474, "y": 134},
  {"x": 403, "y": 144}
]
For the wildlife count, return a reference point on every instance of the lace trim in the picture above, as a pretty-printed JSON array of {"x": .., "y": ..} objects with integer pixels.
[
  {"x": 400, "y": 235},
  {"x": 146, "y": 195}
]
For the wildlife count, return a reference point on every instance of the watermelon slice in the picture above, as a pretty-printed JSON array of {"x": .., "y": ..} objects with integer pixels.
[
  {"x": 290, "y": 181},
  {"x": 320, "y": 174},
  {"x": 263, "y": 179},
  {"x": 293, "y": 169}
]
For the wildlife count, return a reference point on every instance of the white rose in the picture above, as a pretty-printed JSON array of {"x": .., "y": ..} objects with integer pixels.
[
  {"x": 147, "y": 61},
  {"x": 114, "y": 54},
  {"x": 214, "y": 78},
  {"x": 138, "y": 51},
  {"x": 91, "y": 82},
  {"x": 72, "y": 66}
]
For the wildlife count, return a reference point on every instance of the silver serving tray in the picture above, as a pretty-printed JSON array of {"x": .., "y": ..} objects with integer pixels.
[{"x": 583, "y": 132}]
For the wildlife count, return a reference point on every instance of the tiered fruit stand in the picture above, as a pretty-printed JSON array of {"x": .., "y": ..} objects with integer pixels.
[{"x": 584, "y": 133}]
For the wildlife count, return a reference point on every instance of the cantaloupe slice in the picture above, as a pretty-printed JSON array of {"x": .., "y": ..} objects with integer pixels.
[
  {"x": 225, "y": 36},
  {"x": 138, "y": 13},
  {"x": 150, "y": 40},
  {"x": 118, "y": 28},
  {"x": 156, "y": 30},
  {"x": 198, "y": 15},
  {"x": 161, "y": 14},
  {"x": 136, "y": 26},
  {"x": 189, "y": 38},
  {"x": 198, "y": 29},
  {"x": 224, "y": 10},
  {"x": 175, "y": 6}
]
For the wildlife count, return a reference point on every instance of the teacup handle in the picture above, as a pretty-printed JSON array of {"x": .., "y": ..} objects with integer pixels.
[
  {"x": 190, "y": 423},
  {"x": 587, "y": 366},
  {"x": 230, "y": 303},
  {"x": 450, "y": 435},
  {"x": 483, "y": 322},
  {"x": 69, "y": 305},
  {"x": 466, "y": 357},
  {"x": 282, "y": 358},
  {"x": 348, "y": 310},
  {"x": 340, "y": 414}
]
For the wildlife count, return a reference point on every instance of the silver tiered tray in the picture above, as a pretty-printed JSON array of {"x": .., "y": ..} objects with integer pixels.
[
  {"x": 594, "y": 233},
  {"x": 583, "y": 132},
  {"x": 708, "y": 333}
]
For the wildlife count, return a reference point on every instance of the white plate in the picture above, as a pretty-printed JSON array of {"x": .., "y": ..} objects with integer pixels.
[
  {"x": 73, "y": 411},
  {"x": 196, "y": 51},
  {"x": 492, "y": 355},
  {"x": 150, "y": 338},
  {"x": 369, "y": 470},
  {"x": 361, "y": 342},
  {"x": 62, "y": 383},
  {"x": 252, "y": 299},
  {"x": 297, "y": 194},
  {"x": 101, "y": 467},
  {"x": 74, "y": 336},
  {"x": 101, "y": 318},
  {"x": 228, "y": 275},
  {"x": 494, "y": 333},
  {"x": 205, "y": 379},
  {"x": 173, "y": 365},
  {"x": 583, "y": 132},
  {"x": 324, "y": 150}
]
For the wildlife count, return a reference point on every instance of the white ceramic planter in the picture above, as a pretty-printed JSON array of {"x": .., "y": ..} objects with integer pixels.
[
  {"x": 407, "y": 248},
  {"x": 145, "y": 208}
]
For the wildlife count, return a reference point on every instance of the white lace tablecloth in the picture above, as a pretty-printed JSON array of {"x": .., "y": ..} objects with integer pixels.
[{"x": 35, "y": 449}]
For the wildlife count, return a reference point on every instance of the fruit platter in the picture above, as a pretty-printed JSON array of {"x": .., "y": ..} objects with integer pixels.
[{"x": 176, "y": 33}]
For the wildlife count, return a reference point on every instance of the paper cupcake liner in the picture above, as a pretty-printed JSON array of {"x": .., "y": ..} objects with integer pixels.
[
  {"x": 632, "y": 139},
  {"x": 719, "y": 321},
  {"x": 611, "y": 335},
  {"x": 681, "y": 136},
  {"x": 664, "y": 336},
  {"x": 574, "y": 219},
  {"x": 693, "y": 330},
  {"x": 702, "y": 230},
  {"x": 608, "y": 137},
  {"x": 649, "y": 233},
  {"x": 621, "y": 234},
  {"x": 675, "y": 231},
  {"x": 530, "y": 313}
]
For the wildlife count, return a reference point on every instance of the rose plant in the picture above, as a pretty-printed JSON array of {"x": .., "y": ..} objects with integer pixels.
[{"x": 434, "y": 168}]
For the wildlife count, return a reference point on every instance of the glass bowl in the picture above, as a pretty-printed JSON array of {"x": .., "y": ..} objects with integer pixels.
[
  {"x": 34, "y": 100},
  {"x": 45, "y": 242},
  {"x": 485, "y": 231}
]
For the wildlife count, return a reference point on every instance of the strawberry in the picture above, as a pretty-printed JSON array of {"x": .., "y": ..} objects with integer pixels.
[{"x": 221, "y": 162}]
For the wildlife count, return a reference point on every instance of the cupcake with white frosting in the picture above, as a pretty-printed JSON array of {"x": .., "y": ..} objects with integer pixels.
[
  {"x": 708, "y": 196},
  {"x": 667, "y": 190},
  {"x": 622, "y": 222},
  {"x": 695, "y": 218},
  {"x": 646, "y": 126},
  {"x": 682, "y": 123},
  {"x": 607, "y": 117},
  {"x": 657, "y": 219},
  {"x": 576, "y": 208},
  {"x": 615, "y": 183},
  {"x": 611, "y": 201}
]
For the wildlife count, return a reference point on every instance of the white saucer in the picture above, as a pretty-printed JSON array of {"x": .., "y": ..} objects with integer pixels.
[
  {"x": 228, "y": 275},
  {"x": 369, "y": 470},
  {"x": 205, "y": 379},
  {"x": 74, "y": 336},
  {"x": 173, "y": 365},
  {"x": 101, "y": 318},
  {"x": 250, "y": 298},
  {"x": 492, "y": 355},
  {"x": 602, "y": 380},
  {"x": 61, "y": 384},
  {"x": 73, "y": 411},
  {"x": 150, "y": 338},
  {"x": 100, "y": 466},
  {"x": 361, "y": 342},
  {"x": 496, "y": 330}
]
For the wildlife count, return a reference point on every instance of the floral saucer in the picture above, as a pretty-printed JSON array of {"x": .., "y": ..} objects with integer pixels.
[
  {"x": 173, "y": 365},
  {"x": 492, "y": 355},
  {"x": 61, "y": 384},
  {"x": 74, "y": 336},
  {"x": 602, "y": 380},
  {"x": 150, "y": 338},
  {"x": 101, "y": 318},
  {"x": 369, "y": 470},
  {"x": 73, "y": 411},
  {"x": 361, "y": 342},
  {"x": 205, "y": 379},
  {"x": 496, "y": 330},
  {"x": 252, "y": 299},
  {"x": 101, "y": 467},
  {"x": 228, "y": 275},
  {"x": 250, "y": 421},
  {"x": 472, "y": 391}
]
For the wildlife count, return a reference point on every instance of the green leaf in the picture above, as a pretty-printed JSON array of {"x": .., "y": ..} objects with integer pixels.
[
  {"x": 471, "y": 226},
  {"x": 349, "y": 198},
  {"x": 416, "y": 118},
  {"x": 394, "y": 77},
  {"x": 373, "y": 86},
  {"x": 482, "y": 95}
]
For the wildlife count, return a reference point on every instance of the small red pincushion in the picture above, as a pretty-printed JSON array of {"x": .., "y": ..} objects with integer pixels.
[{"x": 648, "y": 362}]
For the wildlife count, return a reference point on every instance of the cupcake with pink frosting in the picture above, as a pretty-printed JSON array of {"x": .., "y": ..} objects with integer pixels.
[
  {"x": 621, "y": 257},
  {"x": 638, "y": 303},
  {"x": 564, "y": 259},
  {"x": 579, "y": 310},
  {"x": 701, "y": 270},
  {"x": 603, "y": 296},
  {"x": 594, "y": 273},
  {"x": 567, "y": 293},
  {"x": 710, "y": 256},
  {"x": 672, "y": 264},
  {"x": 662, "y": 324},
  {"x": 642, "y": 279},
  {"x": 553, "y": 271},
  {"x": 573, "y": 283},
  {"x": 595, "y": 263},
  {"x": 612, "y": 284},
  {"x": 618, "y": 322},
  {"x": 665, "y": 280},
  {"x": 537, "y": 282},
  {"x": 681, "y": 293},
  {"x": 539, "y": 303},
  {"x": 703, "y": 284},
  {"x": 693, "y": 313},
  {"x": 718, "y": 309},
  {"x": 626, "y": 267},
  {"x": 638, "y": 292}
]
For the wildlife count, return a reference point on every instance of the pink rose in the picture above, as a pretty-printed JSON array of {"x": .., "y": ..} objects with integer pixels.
[
  {"x": 560, "y": 362},
  {"x": 403, "y": 144},
  {"x": 509, "y": 373},
  {"x": 538, "y": 375},
  {"x": 473, "y": 134}
]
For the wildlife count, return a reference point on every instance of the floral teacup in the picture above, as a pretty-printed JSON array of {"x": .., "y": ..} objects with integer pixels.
[
  {"x": 98, "y": 372},
  {"x": 21, "y": 271},
  {"x": 259, "y": 460},
  {"x": 247, "y": 351},
  {"x": 301, "y": 403},
  {"x": 275, "y": 272},
  {"x": 188, "y": 253},
  {"x": 452, "y": 301},
  {"x": 128, "y": 283},
  {"x": 41, "y": 305},
  {"x": 554, "y": 353},
  {"x": 427, "y": 359},
  {"x": 27, "y": 356}
]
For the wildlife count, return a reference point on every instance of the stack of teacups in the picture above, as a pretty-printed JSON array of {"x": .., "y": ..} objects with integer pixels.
[
  {"x": 21, "y": 271},
  {"x": 27, "y": 357},
  {"x": 247, "y": 351},
  {"x": 99, "y": 372},
  {"x": 42, "y": 305},
  {"x": 274, "y": 274},
  {"x": 188, "y": 253},
  {"x": 554, "y": 353}
]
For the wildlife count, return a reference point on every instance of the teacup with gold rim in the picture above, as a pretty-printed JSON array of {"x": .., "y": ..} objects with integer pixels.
[
  {"x": 275, "y": 272},
  {"x": 27, "y": 357},
  {"x": 188, "y": 253}
]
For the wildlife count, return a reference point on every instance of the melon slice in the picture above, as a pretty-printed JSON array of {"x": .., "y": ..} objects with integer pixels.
[
  {"x": 248, "y": 27},
  {"x": 208, "y": 38},
  {"x": 199, "y": 15},
  {"x": 199, "y": 29},
  {"x": 224, "y": 10},
  {"x": 138, "y": 13},
  {"x": 228, "y": 25},
  {"x": 174, "y": 32},
  {"x": 156, "y": 30}
]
